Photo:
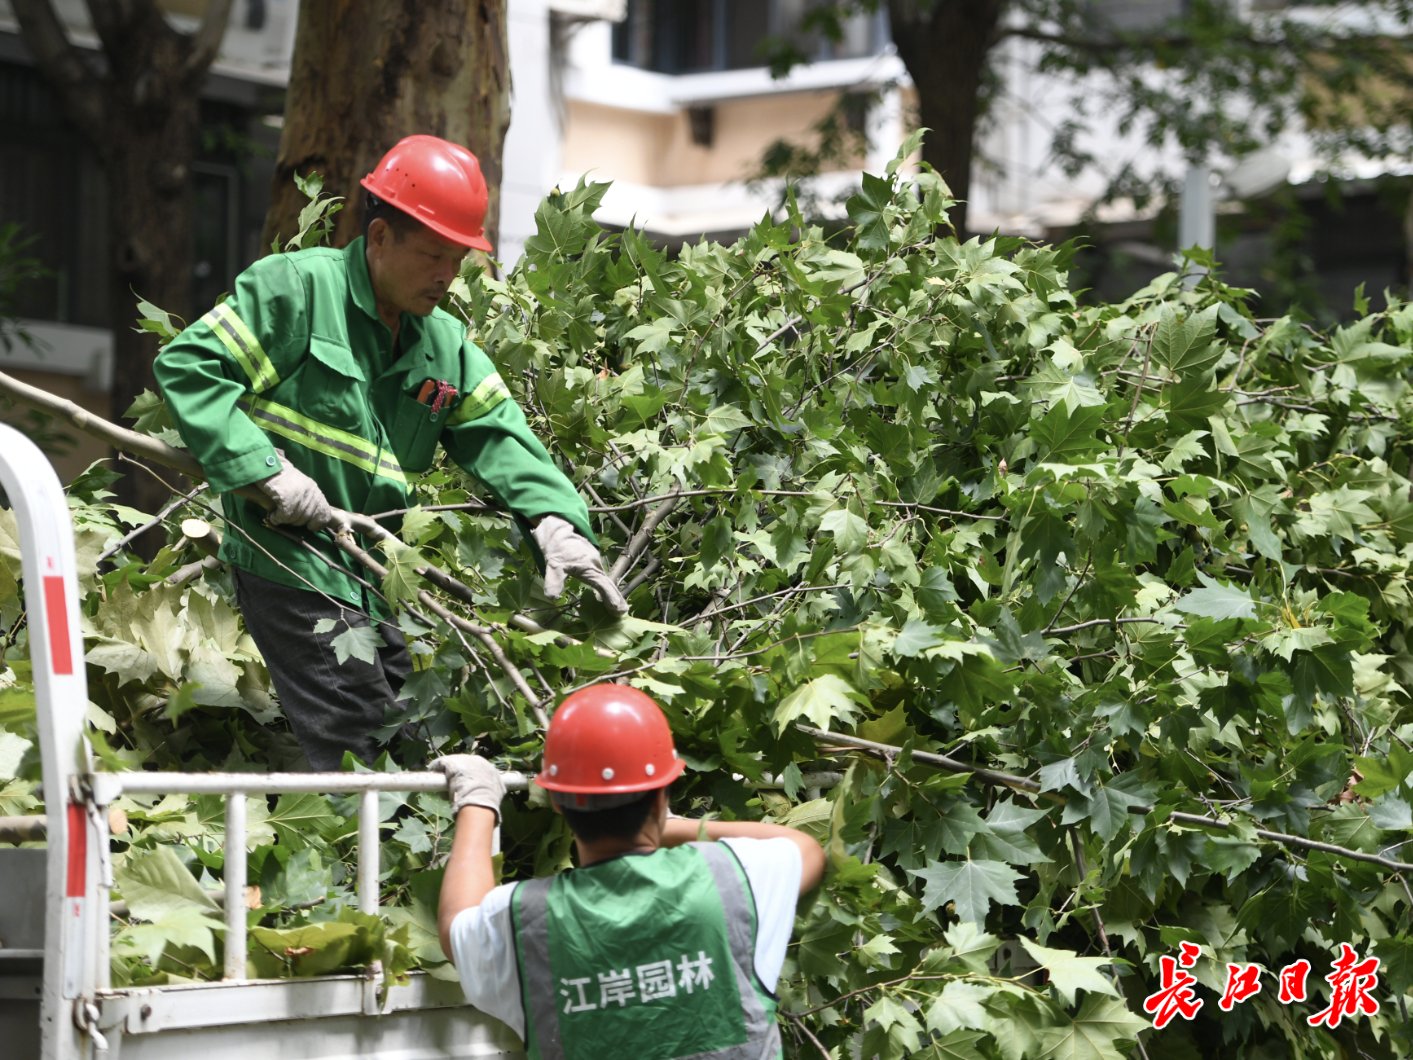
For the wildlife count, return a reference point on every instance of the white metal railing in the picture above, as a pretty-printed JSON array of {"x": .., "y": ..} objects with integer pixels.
[{"x": 105, "y": 788}]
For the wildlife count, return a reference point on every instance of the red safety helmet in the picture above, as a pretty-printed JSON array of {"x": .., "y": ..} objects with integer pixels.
[
  {"x": 437, "y": 182},
  {"x": 607, "y": 740}
]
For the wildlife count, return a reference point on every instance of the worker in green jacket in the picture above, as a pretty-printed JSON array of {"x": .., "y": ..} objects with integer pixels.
[
  {"x": 666, "y": 941},
  {"x": 327, "y": 379}
]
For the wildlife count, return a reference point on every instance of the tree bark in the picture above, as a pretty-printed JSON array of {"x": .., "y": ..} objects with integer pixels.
[
  {"x": 946, "y": 45},
  {"x": 365, "y": 74},
  {"x": 140, "y": 109}
]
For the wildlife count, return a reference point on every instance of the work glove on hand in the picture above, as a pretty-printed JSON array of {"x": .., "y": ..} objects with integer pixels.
[
  {"x": 298, "y": 499},
  {"x": 566, "y": 551},
  {"x": 471, "y": 781}
]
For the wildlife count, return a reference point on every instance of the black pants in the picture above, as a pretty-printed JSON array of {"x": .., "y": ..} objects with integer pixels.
[{"x": 332, "y": 707}]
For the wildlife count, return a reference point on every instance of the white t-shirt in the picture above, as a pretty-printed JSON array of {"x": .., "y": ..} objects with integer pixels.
[{"x": 483, "y": 940}]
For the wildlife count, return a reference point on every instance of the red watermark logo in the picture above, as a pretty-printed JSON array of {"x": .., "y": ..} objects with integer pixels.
[{"x": 1352, "y": 981}]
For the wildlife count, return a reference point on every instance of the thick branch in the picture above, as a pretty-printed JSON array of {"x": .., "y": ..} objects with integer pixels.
[
  {"x": 161, "y": 453},
  {"x": 645, "y": 532},
  {"x": 206, "y": 42},
  {"x": 1010, "y": 780},
  {"x": 112, "y": 20}
]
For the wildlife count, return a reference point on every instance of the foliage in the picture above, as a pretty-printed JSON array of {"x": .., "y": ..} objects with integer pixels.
[
  {"x": 17, "y": 268},
  {"x": 1212, "y": 80},
  {"x": 315, "y": 224},
  {"x": 1146, "y": 563}
]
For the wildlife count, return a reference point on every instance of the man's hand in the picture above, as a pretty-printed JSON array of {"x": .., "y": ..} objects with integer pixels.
[
  {"x": 566, "y": 551},
  {"x": 298, "y": 499},
  {"x": 471, "y": 781}
]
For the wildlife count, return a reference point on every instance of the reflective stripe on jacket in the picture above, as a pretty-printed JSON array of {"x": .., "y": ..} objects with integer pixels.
[
  {"x": 298, "y": 359},
  {"x": 645, "y": 956}
]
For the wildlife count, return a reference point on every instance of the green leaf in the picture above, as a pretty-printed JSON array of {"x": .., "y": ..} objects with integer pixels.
[
  {"x": 915, "y": 638},
  {"x": 358, "y": 642},
  {"x": 1215, "y": 600},
  {"x": 850, "y": 532},
  {"x": 1006, "y": 837},
  {"x": 959, "y": 1007},
  {"x": 156, "y": 883},
  {"x": 1069, "y": 972},
  {"x": 158, "y": 889},
  {"x": 1092, "y": 1033},
  {"x": 866, "y": 210},
  {"x": 1380, "y": 775},
  {"x": 1184, "y": 344},
  {"x": 1065, "y": 436},
  {"x": 970, "y": 885},
  {"x": 304, "y": 819},
  {"x": 819, "y": 702}
]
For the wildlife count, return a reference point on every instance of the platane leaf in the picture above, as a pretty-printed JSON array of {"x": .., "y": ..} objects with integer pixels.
[
  {"x": 958, "y": 1045},
  {"x": 401, "y": 583},
  {"x": 156, "y": 884},
  {"x": 972, "y": 945},
  {"x": 1091, "y": 1034},
  {"x": 358, "y": 642},
  {"x": 818, "y": 702},
  {"x": 1216, "y": 600},
  {"x": 1064, "y": 435},
  {"x": 1069, "y": 972},
  {"x": 1184, "y": 344},
  {"x": 915, "y": 638},
  {"x": 958, "y": 1007},
  {"x": 850, "y": 532},
  {"x": 971, "y": 885}
]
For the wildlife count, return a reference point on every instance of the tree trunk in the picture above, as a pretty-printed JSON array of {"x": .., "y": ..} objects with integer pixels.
[
  {"x": 365, "y": 74},
  {"x": 141, "y": 113},
  {"x": 946, "y": 45}
]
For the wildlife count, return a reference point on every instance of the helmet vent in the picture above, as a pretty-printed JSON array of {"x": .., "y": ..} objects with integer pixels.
[
  {"x": 650, "y": 769},
  {"x": 607, "y": 773}
]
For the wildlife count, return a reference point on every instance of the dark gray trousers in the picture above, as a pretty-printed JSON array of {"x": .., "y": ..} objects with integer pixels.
[{"x": 332, "y": 707}]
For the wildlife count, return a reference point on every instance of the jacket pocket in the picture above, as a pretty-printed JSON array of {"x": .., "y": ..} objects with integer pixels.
[
  {"x": 414, "y": 433},
  {"x": 333, "y": 388}
]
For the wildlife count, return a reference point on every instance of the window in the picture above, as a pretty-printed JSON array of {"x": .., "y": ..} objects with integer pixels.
[{"x": 695, "y": 36}]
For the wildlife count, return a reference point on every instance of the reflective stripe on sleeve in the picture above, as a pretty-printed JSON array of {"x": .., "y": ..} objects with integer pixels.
[
  {"x": 243, "y": 346},
  {"x": 489, "y": 393},
  {"x": 332, "y": 442}
]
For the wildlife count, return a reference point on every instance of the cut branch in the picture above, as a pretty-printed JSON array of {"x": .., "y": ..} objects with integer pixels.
[{"x": 990, "y": 776}]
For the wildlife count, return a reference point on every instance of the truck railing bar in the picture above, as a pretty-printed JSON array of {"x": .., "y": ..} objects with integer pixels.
[
  {"x": 108, "y": 786},
  {"x": 236, "y": 787}
]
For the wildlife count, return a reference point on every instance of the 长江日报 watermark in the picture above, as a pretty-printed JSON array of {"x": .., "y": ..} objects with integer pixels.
[{"x": 1352, "y": 981}]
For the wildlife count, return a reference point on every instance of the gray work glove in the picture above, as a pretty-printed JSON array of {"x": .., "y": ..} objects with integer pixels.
[
  {"x": 298, "y": 499},
  {"x": 566, "y": 551},
  {"x": 471, "y": 781}
]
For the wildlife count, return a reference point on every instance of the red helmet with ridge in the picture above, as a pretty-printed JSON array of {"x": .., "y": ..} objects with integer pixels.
[
  {"x": 438, "y": 183},
  {"x": 607, "y": 740}
]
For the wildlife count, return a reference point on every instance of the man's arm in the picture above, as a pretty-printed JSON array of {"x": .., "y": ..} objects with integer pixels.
[
  {"x": 240, "y": 347},
  {"x": 488, "y": 436},
  {"x": 476, "y": 790},
  {"x": 679, "y": 830},
  {"x": 470, "y": 874}
]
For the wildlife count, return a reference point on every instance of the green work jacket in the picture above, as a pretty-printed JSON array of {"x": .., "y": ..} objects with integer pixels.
[{"x": 298, "y": 358}]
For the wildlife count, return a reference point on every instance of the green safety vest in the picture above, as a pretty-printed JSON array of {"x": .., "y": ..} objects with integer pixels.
[
  {"x": 298, "y": 358},
  {"x": 645, "y": 957}
]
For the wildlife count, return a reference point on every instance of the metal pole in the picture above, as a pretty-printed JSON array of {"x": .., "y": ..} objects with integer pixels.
[
  {"x": 235, "y": 871},
  {"x": 369, "y": 857}
]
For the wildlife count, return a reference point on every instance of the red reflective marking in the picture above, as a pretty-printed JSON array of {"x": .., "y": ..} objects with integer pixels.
[
  {"x": 55, "y": 607},
  {"x": 78, "y": 852}
]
